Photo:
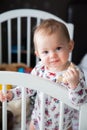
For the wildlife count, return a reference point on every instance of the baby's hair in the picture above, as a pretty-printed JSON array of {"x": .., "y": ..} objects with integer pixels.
[{"x": 51, "y": 26}]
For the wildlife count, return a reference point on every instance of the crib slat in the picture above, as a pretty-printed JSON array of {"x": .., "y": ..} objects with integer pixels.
[
  {"x": 4, "y": 112},
  {"x": 38, "y": 22},
  {"x": 19, "y": 39},
  {"x": 83, "y": 117},
  {"x": 61, "y": 115},
  {"x": 28, "y": 41},
  {"x": 42, "y": 111},
  {"x": 0, "y": 44},
  {"x": 9, "y": 41},
  {"x": 23, "y": 111}
]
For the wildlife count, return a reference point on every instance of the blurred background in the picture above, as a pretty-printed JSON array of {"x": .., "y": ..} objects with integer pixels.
[{"x": 74, "y": 11}]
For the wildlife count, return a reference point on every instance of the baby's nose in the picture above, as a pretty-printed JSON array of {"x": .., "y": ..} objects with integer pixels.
[{"x": 52, "y": 54}]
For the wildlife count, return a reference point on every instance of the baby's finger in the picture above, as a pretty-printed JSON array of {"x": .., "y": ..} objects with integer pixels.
[
  {"x": 73, "y": 72},
  {"x": 2, "y": 99}
]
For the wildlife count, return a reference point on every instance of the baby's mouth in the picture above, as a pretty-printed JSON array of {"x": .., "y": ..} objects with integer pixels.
[{"x": 54, "y": 61}]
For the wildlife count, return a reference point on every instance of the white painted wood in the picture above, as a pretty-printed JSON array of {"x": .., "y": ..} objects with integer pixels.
[
  {"x": 61, "y": 115},
  {"x": 83, "y": 117},
  {"x": 37, "y": 83},
  {"x": 4, "y": 112}
]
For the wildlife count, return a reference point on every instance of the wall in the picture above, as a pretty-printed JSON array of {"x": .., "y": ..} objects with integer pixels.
[
  {"x": 77, "y": 15},
  {"x": 57, "y": 7}
]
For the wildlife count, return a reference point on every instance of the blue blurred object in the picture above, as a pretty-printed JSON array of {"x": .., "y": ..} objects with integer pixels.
[{"x": 21, "y": 69}]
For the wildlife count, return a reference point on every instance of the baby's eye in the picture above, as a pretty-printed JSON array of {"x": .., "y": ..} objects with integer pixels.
[
  {"x": 58, "y": 48},
  {"x": 45, "y": 52}
]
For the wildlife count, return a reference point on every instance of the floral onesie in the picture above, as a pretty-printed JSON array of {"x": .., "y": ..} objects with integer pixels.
[{"x": 51, "y": 111}]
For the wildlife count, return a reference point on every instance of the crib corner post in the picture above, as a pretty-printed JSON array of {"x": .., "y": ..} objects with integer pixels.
[{"x": 83, "y": 117}]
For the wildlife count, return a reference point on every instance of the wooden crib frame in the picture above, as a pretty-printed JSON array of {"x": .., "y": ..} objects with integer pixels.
[{"x": 37, "y": 83}]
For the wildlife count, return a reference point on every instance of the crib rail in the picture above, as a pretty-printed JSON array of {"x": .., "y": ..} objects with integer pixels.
[{"x": 36, "y": 83}]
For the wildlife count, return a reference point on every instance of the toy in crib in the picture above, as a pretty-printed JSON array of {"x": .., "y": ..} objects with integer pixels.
[
  {"x": 8, "y": 86},
  {"x": 15, "y": 108},
  {"x": 15, "y": 67}
]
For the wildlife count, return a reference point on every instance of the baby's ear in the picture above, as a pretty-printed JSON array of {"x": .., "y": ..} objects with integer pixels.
[
  {"x": 36, "y": 53},
  {"x": 71, "y": 45}
]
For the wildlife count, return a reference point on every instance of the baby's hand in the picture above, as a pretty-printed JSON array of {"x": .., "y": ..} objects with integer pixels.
[
  {"x": 9, "y": 95},
  {"x": 72, "y": 77},
  {"x": 2, "y": 97},
  {"x": 6, "y": 97}
]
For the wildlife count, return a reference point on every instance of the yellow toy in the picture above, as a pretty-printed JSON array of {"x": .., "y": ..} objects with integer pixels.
[{"x": 7, "y": 86}]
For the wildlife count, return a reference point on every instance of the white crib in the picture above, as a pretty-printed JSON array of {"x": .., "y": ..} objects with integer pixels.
[{"x": 37, "y": 83}]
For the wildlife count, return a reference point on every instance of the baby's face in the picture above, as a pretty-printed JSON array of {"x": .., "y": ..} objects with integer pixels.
[{"x": 53, "y": 50}]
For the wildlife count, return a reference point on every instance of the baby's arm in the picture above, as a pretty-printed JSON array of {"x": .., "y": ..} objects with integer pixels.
[
  {"x": 74, "y": 80},
  {"x": 15, "y": 93},
  {"x": 78, "y": 95},
  {"x": 77, "y": 85}
]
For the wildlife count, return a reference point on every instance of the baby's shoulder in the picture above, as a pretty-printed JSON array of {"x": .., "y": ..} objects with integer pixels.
[{"x": 39, "y": 68}]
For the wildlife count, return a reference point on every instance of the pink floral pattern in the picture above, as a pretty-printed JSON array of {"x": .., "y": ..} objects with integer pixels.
[{"x": 52, "y": 105}]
